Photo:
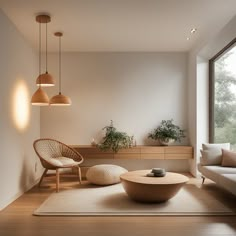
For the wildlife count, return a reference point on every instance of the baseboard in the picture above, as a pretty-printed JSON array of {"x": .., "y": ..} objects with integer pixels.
[{"x": 17, "y": 195}]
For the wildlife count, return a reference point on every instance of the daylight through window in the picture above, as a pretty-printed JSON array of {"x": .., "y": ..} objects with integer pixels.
[{"x": 223, "y": 105}]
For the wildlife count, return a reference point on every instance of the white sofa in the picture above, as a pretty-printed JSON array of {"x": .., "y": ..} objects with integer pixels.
[
  {"x": 212, "y": 169},
  {"x": 225, "y": 177}
]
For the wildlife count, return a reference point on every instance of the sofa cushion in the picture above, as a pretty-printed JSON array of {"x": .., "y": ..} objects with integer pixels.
[
  {"x": 105, "y": 174},
  {"x": 228, "y": 182},
  {"x": 61, "y": 161},
  {"x": 214, "y": 172},
  {"x": 228, "y": 158},
  {"x": 211, "y": 157},
  {"x": 208, "y": 146},
  {"x": 212, "y": 153}
]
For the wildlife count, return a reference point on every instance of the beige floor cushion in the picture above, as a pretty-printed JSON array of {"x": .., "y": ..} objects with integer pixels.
[{"x": 105, "y": 174}]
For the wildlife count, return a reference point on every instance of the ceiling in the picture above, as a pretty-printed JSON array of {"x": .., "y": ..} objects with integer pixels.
[{"x": 121, "y": 25}]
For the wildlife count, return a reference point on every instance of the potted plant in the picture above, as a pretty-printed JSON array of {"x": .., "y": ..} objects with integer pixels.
[
  {"x": 167, "y": 132},
  {"x": 115, "y": 140}
]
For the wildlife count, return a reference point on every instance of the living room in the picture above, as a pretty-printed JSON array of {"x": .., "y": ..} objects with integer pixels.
[{"x": 133, "y": 62}]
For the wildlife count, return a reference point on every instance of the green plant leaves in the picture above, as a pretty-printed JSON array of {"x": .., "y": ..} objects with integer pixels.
[
  {"x": 115, "y": 140},
  {"x": 167, "y": 130}
]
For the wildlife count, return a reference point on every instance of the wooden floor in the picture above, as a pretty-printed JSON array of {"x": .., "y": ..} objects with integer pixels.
[{"x": 17, "y": 219}]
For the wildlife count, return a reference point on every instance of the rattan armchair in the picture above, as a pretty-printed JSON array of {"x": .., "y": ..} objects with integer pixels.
[{"x": 55, "y": 155}]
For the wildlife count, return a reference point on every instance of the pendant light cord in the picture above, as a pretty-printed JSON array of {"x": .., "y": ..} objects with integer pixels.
[
  {"x": 46, "y": 47},
  {"x": 60, "y": 65},
  {"x": 40, "y": 54}
]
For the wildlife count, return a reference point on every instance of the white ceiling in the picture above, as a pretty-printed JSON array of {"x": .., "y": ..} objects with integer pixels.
[{"x": 121, "y": 25}]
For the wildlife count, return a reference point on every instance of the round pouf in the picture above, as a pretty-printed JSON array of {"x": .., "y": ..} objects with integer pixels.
[{"x": 105, "y": 174}]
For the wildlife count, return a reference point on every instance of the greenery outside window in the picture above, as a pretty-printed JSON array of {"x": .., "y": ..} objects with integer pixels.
[{"x": 223, "y": 95}]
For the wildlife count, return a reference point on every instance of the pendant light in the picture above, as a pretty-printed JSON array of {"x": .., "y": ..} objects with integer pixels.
[
  {"x": 45, "y": 80},
  {"x": 40, "y": 98},
  {"x": 60, "y": 99}
]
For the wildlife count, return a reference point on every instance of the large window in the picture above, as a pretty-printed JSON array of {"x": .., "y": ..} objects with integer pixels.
[{"x": 223, "y": 96}]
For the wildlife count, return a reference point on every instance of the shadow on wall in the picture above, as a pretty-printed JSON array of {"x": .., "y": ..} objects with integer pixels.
[
  {"x": 27, "y": 178},
  {"x": 150, "y": 142},
  {"x": 29, "y": 166}
]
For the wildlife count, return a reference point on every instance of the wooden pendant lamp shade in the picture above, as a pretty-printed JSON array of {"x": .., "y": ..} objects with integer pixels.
[
  {"x": 40, "y": 98},
  {"x": 45, "y": 79},
  {"x": 60, "y": 99}
]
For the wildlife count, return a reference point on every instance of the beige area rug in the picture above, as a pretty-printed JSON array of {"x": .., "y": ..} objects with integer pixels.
[{"x": 112, "y": 200}]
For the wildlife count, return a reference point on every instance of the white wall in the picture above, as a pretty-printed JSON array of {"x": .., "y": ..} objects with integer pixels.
[
  {"x": 135, "y": 90},
  {"x": 202, "y": 105},
  {"x": 198, "y": 110},
  {"x": 192, "y": 111},
  {"x": 19, "y": 123}
]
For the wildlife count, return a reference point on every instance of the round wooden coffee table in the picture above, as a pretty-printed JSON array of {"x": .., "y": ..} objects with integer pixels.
[{"x": 139, "y": 187}]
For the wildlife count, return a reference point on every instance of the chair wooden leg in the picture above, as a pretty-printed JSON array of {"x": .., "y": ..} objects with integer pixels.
[
  {"x": 79, "y": 174},
  {"x": 41, "y": 179},
  {"x": 203, "y": 179},
  {"x": 57, "y": 180}
]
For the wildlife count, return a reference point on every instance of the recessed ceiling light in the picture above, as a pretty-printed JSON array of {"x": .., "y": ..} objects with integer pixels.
[
  {"x": 188, "y": 38},
  {"x": 193, "y": 30}
]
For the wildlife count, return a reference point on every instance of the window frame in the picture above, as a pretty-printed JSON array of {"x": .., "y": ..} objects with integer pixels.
[{"x": 212, "y": 87}]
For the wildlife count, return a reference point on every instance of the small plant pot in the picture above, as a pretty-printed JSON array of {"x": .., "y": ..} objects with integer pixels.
[{"x": 166, "y": 142}]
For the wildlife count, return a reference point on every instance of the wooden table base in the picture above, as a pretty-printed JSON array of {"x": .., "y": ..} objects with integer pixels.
[{"x": 152, "y": 189}]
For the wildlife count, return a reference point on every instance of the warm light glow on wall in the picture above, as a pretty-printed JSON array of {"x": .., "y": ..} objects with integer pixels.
[{"x": 21, "y": 103}]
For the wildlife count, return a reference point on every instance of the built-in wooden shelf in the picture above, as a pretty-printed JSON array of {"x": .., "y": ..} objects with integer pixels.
[{"x": 138, "y": 152}]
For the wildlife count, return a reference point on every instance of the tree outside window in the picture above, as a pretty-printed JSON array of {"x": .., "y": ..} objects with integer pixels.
[{"x": 224, "y": 91}]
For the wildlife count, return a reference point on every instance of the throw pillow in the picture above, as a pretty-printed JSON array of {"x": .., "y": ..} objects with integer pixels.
[
  {"x": 228, "y": 158},
  {"x": 211, "y": 157}
]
